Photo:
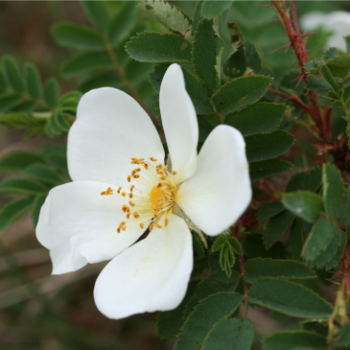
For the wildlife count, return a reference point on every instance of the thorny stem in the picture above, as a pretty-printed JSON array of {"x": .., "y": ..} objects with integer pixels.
[
  {"x": 300, "y": 52},
  {"x": 132, "y": 89},
  {"x": 297, "y": 101},
  {"x": 339, "y": 314}
]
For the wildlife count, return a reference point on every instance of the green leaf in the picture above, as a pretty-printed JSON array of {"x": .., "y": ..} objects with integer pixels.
[
  {"x": 97, "y": 13},
  {"x": 199, "y": 98},
  {"x": 233, "y": 334},
  {"x": 331, "y": 255},
  {"x": 8, "y": 102},
  {"x": 32, "y": 81},
  {"x": 286, "y": 269},
  {"x": 333, "y": 190},
  {"x": 328, "y": 77},
  {"x": 122, "y": 23},
  {"x": 237, "y": 61},
  {"x": 86, "y": 63},
  {"x": 199, "y": 265},
  {"x": 22, "y": 186},
  {"x": 344, "y": 335},
  {"x": 265, "y": 168},
  {"x": 205, "y": 52},
  {"x": 253, "y": 57},
  {"x": 59, "y": 161},
  {"x": 315, "y": 327},
  {"x": 43, "y": 172},
  {"x": 51, "y": 92},
  {"x": 240, "y": 92},
  {"x": 205, "y": 128},
  {"x": 297, "y": 340},
  {"x": 276, "y": 227},
  {"x": 13, "y": 210},
  {"x": 319, "y": 238},
  {"x": 339, "y": 65},
  {"x": 37, "y": 204},
  {"x": 211, "y": 310},
  {"x": 337, "y": 256},
  {"x": 305, "y": 204},
  {"x": 18, "y": 160},
  {"x": 219, "y": 241},
  {"x": 197, "y": 246},
  {"x": 101, "y": 80},
  {"x": 52, "y": 128},
  {"x": 168, "y": 15},
  {"x": 62, "y": 122},
  {"x": 154, "y": 47},
  {"x": 265, "y": 146},
  {"x": 77, "y": 36},
  {"x": 236, "y": 246},
  {"x": 254, "y": 248},
  {"x": 288, "y": 298},
  {"x": 305, "y": 181},
  {"x": 3, "y": 83},
  {"x": 169, "y": 322},
  {"x": 211, "y": 9},
  {"x": 12, "y": 74},
  {"x": 216, "y": 282},
  {"x": 296, "y": 239},
  {"x": 269, "y": 209}
]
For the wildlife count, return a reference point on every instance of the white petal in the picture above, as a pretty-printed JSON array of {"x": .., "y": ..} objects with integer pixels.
[
  {"x": 111, "y": 127},
  {"x": 151, "y": 275},
  {"x": 79, "y": 225},
  {"x": 312, "y": 20},
  {"x": 180, "y": 122},
  {"x": 220, "y": 190},
  {"x": 338, "y": 22}
]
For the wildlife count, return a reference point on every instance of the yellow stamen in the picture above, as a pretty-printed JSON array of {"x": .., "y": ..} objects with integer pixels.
[{"x": 108, "y": 192}]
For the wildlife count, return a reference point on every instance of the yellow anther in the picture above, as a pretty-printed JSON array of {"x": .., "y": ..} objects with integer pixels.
[
  {"x": 128, "y": 215},
  {"x": 166, "y": 169},
  {"x": 142, "y": 225},
  {"x": 159, "y": 185},
  {"x": 119, "y": 190},
  {"x": 130, "y": 195},
  {"x": 118, "y": 230},
  {"x": 125, "y": 208},
  {"x": 166, "y": 221},
  {"x": 137, "y": 160},
  {"x": 145, "y": 166},
  {"x": 153, "y": 159},
  {"x": 174, "y": 172},
  {"x": 136, "y": 215},
  {"x": 123, "y": 194},
  {"x": 131, "y": 188},
  {"x": 109, "y": 191},
  {"x": 129, "y": 178},
  {"x": 131, "y": 203}
]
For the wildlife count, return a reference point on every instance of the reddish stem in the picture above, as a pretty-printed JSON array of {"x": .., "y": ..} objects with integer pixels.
[
  {"x": 297, "y": 101},
  {"x": 345, "y": 267},
  {"x": 300, "y": 52},
  {"x": 327, "y": 123}
]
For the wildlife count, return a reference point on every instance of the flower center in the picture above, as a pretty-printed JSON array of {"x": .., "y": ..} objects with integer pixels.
[{"x": 151, "y": 196}]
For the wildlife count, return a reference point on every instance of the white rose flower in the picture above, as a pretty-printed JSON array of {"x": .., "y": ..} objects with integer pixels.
[
  {"x": 337, "y": 22},
  {"x": 121, "y": 187}
]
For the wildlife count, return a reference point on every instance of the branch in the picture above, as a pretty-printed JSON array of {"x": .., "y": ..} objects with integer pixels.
[{"x": 300, "y": 52}]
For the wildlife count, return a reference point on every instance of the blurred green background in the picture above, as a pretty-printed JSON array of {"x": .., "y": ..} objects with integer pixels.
[{"x": 40, "y": 311}]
